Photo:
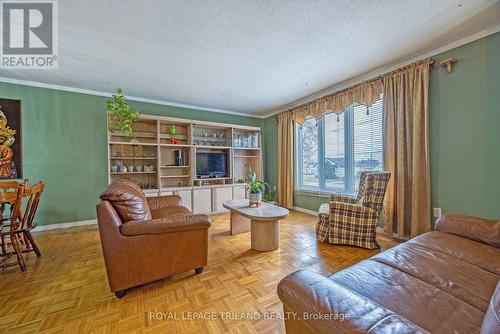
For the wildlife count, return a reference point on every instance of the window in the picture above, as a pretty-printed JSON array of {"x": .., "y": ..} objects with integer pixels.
[{"x": 333, "y": 151}]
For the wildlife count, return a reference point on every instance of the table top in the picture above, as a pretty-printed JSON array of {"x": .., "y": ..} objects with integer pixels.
[{"x": 265, "y": 211}]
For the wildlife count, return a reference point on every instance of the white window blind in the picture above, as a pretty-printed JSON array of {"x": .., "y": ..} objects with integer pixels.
[{"x": 333, "y": 151}]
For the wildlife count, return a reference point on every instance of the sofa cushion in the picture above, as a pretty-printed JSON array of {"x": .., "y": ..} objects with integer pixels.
[
  {"x": 309, "y": 293},
  {"x": 170, "y": 211},
  {"x": 128, "y": 200},
  {"x": 467, "y": 282},
  {"x": 166, "y": 225},
  {"x": 475, "y": 253},
  {"x": 422, "y": 303},
  {"x": 491, "y": 322},
  {"x": 479, "y": 229}
]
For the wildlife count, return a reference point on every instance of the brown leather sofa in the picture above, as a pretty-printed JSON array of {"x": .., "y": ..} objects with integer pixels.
[
  {"x": 147, "y": 239},
  {"x": 445, "y": 281}
]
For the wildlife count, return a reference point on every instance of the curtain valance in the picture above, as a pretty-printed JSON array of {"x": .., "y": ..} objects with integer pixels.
[{"x": 365, "y": 93}]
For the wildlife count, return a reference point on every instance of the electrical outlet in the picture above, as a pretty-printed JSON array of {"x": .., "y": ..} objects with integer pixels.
[{"x": 437, "y": 212}]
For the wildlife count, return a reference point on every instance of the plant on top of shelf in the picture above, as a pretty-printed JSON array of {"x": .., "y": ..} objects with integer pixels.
[
  {"x": 256, "y": 188},
  {"x": 121, "y": 114}
]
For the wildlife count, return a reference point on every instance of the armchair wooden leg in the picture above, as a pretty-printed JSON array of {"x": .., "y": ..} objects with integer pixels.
[
  {"x": 31, "y": 241},
  {"x": 15, "y": 244}
]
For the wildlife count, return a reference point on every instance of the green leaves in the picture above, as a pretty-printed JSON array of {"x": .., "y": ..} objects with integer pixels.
[
  {"x": 121, "y": 114},
  {"x": 270, "y": 194},
  {"x": 254, "y": 186}
]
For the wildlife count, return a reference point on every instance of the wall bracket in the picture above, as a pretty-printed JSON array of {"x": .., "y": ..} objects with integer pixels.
[{"x": 449, "y": 62}]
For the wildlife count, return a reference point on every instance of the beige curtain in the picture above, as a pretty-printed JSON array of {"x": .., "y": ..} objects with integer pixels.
[
  {"x": 365, "y": 93},
  {"x": 285, "y": 159},
  {"x": 406, "y": 156}
]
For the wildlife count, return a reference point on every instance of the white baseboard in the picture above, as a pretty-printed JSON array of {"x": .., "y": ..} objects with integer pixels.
[
  {"x": 310, "y": 212},
  {"x": 64, "y": 225}
]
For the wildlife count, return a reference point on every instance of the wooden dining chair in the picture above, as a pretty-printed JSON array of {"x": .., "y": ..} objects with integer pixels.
[
  {"x": 28, "y": 217},
  {"x": 11, "y": 187},
  {"x": 14, "y": 231}
]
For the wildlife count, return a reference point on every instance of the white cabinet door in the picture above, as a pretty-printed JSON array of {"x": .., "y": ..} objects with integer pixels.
[
  {"x": 221, "y": 195},
  {"x": 186, "y": 198},
  {"x": 166, "y": 193},
  {"x": 202, "y": 200},
  {"x": 239, "y": 192}
]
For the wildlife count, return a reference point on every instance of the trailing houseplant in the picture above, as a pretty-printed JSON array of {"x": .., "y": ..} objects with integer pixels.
[
  {"x": 121, "y": 115},
  {"x": 255, "y": 188}
]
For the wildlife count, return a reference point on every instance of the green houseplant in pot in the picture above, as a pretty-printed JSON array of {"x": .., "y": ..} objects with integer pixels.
[
  {"x": 270, "y": 195},
  {"x": 121, "y": 116},
  {"x": 255, "y": 188}
]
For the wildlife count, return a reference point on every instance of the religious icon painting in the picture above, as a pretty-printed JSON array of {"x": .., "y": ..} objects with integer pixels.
[{"x": 10, "y": 139}]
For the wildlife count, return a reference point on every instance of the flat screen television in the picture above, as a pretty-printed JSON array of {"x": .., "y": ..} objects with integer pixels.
[{"x": 211, "y": 164}]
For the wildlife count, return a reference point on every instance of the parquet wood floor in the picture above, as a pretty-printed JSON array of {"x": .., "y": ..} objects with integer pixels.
[{"x": 66, "y": 290}]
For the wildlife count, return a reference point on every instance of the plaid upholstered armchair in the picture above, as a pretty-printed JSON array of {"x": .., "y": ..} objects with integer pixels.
[{"x": 349, "y": 220}]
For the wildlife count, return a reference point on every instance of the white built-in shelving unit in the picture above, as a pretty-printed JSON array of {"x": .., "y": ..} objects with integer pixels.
[{"x": 149, "y": 159}]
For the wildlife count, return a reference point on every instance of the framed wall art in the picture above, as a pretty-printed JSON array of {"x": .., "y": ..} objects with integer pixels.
[{"x": 11, "y": 164}]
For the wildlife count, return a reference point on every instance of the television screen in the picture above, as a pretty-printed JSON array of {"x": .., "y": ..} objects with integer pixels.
[{"x": 212, "y": 164}]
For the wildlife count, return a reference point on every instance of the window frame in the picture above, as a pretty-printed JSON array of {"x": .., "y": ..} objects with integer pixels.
[{"x": 349, "y": 156}]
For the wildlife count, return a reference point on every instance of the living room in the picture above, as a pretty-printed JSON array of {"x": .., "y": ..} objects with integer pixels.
[{"x": 250, "y": 167}]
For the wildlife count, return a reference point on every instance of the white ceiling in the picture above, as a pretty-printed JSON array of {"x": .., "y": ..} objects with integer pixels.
[{"x": 246, "y": 56}]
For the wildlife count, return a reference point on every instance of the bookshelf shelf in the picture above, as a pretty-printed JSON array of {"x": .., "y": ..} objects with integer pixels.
[
  {"x": 124, "y": 173},
  {"x": 132, "y": 144}
]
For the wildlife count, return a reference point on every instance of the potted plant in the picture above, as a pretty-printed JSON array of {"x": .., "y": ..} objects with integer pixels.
[
  {"x": 270, "y": 195},
  {"x": 255, "y": 189},
  {"x": 121, "y": 115}
]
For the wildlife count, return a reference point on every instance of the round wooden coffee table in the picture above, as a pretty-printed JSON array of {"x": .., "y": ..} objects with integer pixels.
[{"x": 263, "y": 222}]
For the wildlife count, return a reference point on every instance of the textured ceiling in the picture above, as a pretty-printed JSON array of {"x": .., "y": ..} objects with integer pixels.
[{"x": 245, "y": 56}]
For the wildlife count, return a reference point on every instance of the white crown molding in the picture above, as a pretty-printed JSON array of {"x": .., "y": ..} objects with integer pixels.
[
  {"x": 48, "y": 227},
  {"x": 385, "y": 69},
  {"x": 131, "y": 98}
]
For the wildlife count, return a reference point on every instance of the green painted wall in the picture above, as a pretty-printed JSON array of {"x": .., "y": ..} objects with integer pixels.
[
  {"x": 64, "y": 145},
  {"x": 465, "y": 130},
  {"x": 464, "y": 133}
]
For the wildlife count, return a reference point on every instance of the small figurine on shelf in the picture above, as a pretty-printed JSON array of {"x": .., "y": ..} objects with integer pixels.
[{"x": 173, "y": 130}]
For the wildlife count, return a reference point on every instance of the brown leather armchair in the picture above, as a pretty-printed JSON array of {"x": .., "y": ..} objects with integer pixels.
[{"x": 147, "y": 239}]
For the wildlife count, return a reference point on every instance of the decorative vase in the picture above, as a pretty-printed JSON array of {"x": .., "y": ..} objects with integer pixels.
[
  {"x": 255, "y": 200},
  {"x": 173, "y": 130}
]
